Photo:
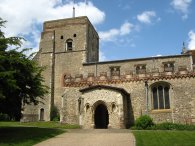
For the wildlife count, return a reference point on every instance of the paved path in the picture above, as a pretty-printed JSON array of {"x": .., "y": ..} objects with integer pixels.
[{"x": 92, "y": 137}]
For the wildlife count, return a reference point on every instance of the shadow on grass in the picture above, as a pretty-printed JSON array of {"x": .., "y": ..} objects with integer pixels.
[{"x": 25, "y": 136}]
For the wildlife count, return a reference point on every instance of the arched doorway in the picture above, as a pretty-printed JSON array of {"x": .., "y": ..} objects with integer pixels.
[
  {"x": 41, "y": 114},
  {"x": 101, "y": 117}
]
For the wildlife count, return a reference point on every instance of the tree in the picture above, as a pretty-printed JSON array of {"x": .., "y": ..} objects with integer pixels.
[{"x": 20, "y": 77}]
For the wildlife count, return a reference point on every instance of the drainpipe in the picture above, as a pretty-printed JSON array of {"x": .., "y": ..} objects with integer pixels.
[
  {"x": 146, "y": 89},
  {"x": 172, "y": 105},
  {"x": 95, "y": 69},
  {"x": 52, "y": 74},
  {"x": 80, "y": 117}
]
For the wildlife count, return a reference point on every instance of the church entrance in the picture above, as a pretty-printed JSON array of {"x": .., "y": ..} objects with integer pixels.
[{"x": 101, "y": 117}]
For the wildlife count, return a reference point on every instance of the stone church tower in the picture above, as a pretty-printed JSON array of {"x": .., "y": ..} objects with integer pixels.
[
  {"x": 110, "y": 94},
  {"x": 64, "y": 46}
]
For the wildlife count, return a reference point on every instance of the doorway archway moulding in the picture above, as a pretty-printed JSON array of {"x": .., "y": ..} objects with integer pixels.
[{"x": 106, "y": 95}]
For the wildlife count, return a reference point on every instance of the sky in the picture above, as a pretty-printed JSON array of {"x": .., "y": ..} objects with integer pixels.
[{"x": 127, "y": 28}]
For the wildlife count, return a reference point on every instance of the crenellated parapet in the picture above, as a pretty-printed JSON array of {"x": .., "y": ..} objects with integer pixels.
[{"x": 128, "y": 76}]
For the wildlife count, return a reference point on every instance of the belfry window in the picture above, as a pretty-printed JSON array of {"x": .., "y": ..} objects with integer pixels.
[
  {"x": 69, "y": 45},
  {"x": 160, "y": 96},
  {"x": 168, "y": 66}
]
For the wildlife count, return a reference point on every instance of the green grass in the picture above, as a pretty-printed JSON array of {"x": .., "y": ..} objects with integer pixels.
[
  {"x": 164, "y": 138},
  {"x": 51, "y": 124},
  {"x": 27, "y": 134}
]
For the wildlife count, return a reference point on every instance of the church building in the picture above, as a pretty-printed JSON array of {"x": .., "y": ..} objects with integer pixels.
[{"x": 109, "y": 94}]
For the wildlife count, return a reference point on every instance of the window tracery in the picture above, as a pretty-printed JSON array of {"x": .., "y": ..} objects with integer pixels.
[{"x": 161, "y": 96}]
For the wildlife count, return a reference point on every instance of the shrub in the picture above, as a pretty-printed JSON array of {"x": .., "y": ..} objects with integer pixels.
[
  {"x": 144, "y": 122},
  {"x": 166, "y": 126},
  {"x": 4, "y": 117},
  {"x": 55, "y": 116},
  {"x": 172, "y": 126}
]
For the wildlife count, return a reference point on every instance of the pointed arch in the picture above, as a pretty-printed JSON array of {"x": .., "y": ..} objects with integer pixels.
[{"x": 101, "y": 116}]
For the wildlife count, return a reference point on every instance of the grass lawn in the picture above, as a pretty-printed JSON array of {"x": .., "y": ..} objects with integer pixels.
[
  {"x": 164, "y": 138},
  {"x": 50, "y": 124},
  {"x": 27, "y": 134}
]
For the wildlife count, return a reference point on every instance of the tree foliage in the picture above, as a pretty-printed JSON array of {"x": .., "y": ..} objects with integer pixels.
[{"x": 20, "y": 77}]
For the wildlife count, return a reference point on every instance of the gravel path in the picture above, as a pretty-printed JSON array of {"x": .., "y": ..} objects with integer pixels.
[{"x": 92, "y": 137}]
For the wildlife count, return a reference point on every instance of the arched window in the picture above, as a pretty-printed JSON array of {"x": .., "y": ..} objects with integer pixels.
[
  {"x": 69, "y": 45},
  {"x": 160, "y": 96}
]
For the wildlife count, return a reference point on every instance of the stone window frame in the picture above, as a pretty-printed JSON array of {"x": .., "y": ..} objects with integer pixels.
[
  {"x": 140, "y": 68},
  {"x": 69, "y": 45},
  {"x": 169, "y": 66},
  {"x": 161, "y": 92},
  {"x": 114, "y": 70}
]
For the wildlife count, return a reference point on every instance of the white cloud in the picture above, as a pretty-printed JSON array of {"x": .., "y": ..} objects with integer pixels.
[
  {"x": 112, "y": 34},
  {"x": 126, "y": 28},
  {"x": 108, "y": 35},
  {"x": 191, "y": 43},
  {"x": 181, "y": 6},
  {"x": 146, "y": 17},
  {"x": 24, "y": 16},
  {"x": 102, "y": 56}
]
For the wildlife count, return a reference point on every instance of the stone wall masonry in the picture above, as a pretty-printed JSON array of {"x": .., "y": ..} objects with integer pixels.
[
  {"x": 103, "y": 78},
  {"x": 109, "y": 98},
  {"x": 53, "y": 42},
  {"x": 78, "y": 69},
  {"x": 45, "y": 103},
  {"x": 53, "y": 24},
  {"x": 181, "y": 95},
  {"x": 78, "y": 35},
  {"x": 93, "y": 45},
  {"x": 30, "y": 113},
  {"x": 183, "y": 99},
  {"x": 70, "y": 63},
  {"x": 66, "y": 70},
  {"x": 152, "y": 64},
  {"x": 137, "y": 99},
  {"x": 69, "y": 106}
]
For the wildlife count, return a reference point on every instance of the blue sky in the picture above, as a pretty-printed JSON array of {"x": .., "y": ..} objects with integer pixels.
[{"x": 127, "y": 28}]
